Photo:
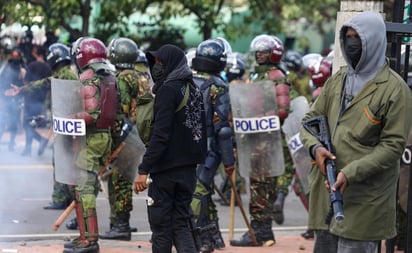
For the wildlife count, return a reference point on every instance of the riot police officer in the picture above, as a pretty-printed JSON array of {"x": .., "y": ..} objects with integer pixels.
[
  {"x": 268, "y": 51},
  {"x": 100, "y": 97},
  {"x": 210, "y": 59},
  {"x": 122, "y": 53}
]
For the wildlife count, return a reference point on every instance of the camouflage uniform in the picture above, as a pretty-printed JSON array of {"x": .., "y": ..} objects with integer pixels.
[
  {"x": 264, "y": 189},
  {"x": 99, "y": 118},
  {"x": 131, "y": 86},
  {"x": 218, "y": 120},
  {"x": 300, "y": 83},
  {"x": 261, "y": 207}
]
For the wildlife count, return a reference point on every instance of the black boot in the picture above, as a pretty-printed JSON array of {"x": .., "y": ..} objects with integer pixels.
[
  {"x": 88, "y": 228},
  {"x": 217, "y": 237},
  {"x": 132, "y": 229},
  {"x": 72, "y": 224},
  {"x": 92, "y": 247},
  {"x": 206, "y": 238},
  {"x": 83, "y": 247},
  {"x": 308, "y": 234},
  {"x": 120, "y": 229},
  {"x": 263, "y": 233},
  {"x": 278, "y": 208}
]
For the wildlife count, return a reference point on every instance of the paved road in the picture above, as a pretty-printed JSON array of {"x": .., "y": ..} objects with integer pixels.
[{"x": 26, "y": 186}]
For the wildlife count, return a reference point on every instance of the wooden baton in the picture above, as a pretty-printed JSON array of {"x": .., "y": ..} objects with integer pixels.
[{"x": 63, "y": 216}]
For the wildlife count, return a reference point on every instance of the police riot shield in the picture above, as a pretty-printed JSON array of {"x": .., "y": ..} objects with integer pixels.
[
  {"x": 69, "y": 133},
  {"x": 131, "y": 154},
  {"x": 291, "y": 127},
  {"x": 257, "y": 129}
]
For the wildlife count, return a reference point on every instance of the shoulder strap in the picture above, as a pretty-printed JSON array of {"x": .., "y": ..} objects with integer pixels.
[{"x": 184, "y": 100}]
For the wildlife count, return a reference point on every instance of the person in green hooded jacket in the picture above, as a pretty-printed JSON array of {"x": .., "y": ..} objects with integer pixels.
[{"x": 367, "y": 106}]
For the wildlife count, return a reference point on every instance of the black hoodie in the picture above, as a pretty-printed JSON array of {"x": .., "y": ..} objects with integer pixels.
[{"x": 178, "y": 138}]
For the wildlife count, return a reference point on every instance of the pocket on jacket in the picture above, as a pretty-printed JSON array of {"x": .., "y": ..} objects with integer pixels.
[{"x": 367, "y": 129}]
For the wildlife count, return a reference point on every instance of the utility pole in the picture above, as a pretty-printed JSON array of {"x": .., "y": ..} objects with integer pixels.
[{"x": 348, "y": 9}]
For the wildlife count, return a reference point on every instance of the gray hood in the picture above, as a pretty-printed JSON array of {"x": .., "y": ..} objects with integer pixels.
[{"x": 372, "y": 31}]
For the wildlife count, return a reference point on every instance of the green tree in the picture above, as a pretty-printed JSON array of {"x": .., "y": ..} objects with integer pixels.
[{"x": 271, "y": 16}]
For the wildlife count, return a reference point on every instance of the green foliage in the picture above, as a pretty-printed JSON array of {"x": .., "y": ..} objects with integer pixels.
[
  {"x": 112, "y": 20},
  {"x": 165, "y": 35},
  {"x": 235, "y": 18}
]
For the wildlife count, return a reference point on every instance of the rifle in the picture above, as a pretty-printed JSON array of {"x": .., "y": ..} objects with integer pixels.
[{"x": 319, "y": 128}]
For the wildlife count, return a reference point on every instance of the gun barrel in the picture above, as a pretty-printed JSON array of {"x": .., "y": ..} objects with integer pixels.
[
  {"x": 336, "y": 198},
  {"x": 338, "y": 211}
]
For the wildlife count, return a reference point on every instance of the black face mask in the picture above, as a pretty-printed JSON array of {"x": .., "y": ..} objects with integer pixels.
[
  {"x": 353, "y": 49},
  {"x": 157, "y": 72}
]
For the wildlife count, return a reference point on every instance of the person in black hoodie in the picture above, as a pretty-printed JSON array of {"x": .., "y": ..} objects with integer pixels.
[{"x": 177, "y": 144}]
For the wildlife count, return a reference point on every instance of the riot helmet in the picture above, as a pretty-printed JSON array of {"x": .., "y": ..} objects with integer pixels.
[
  {"x": 269, "y": 44},
  {"x": 87, "y": 51},
  {"x": 16, "y": 58},
  {"x": 293, "y": 60},
  {"x": 7, "y": 44},
  {"x": 210, "y": 56},
  {"x": 320, "y": 73},
  {"x": 123, "y": 52},
  {"x": 141, "y": 57},
  {"x": 58, "y": 52},
  {"x": 312, "y": 59},
  {"x": 190, "y": 54},
  {"x": 228, "y": 47},
  {"x": 235, "y": 67}
]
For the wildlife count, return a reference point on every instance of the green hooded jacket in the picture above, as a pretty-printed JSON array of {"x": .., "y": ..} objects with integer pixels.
[{"x": 368, "y": 136}]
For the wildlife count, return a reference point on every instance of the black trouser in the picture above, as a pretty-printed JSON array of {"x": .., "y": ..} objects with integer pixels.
[
  {"x": 169, "y": 214},
  {"x": 325, "y": 242}
]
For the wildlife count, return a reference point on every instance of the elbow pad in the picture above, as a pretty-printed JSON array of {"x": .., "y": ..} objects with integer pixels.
[{"x": 226, "y": 146}]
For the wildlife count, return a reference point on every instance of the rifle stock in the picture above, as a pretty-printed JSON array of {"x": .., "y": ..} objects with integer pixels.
[{"x": 319, "y": 128}]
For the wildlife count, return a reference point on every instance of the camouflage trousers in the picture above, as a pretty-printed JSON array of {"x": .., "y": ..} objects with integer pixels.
[
  {"x": 203, "y": 207},
  {"x": 285, "y": 180},
  {"x": 85, "y": 195},
  {"x": 120, "y": 194},
  {"x": 91, "y": 158},
  {"x": 62, "y": 193},
  {"x": 263, "y": 193},
  {"x": 87, "y": 192}
]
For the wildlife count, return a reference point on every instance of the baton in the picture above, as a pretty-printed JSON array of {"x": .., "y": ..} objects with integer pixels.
[
  {"x": 239, "y": 203},
  {"x": 63, "y": 216}
]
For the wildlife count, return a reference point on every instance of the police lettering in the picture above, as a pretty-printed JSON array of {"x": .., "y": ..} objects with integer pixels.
[
  {"x": 295, "y": 143},
  {"x": 256, "y": 125},
  {"x": 69, "y": 126}
]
